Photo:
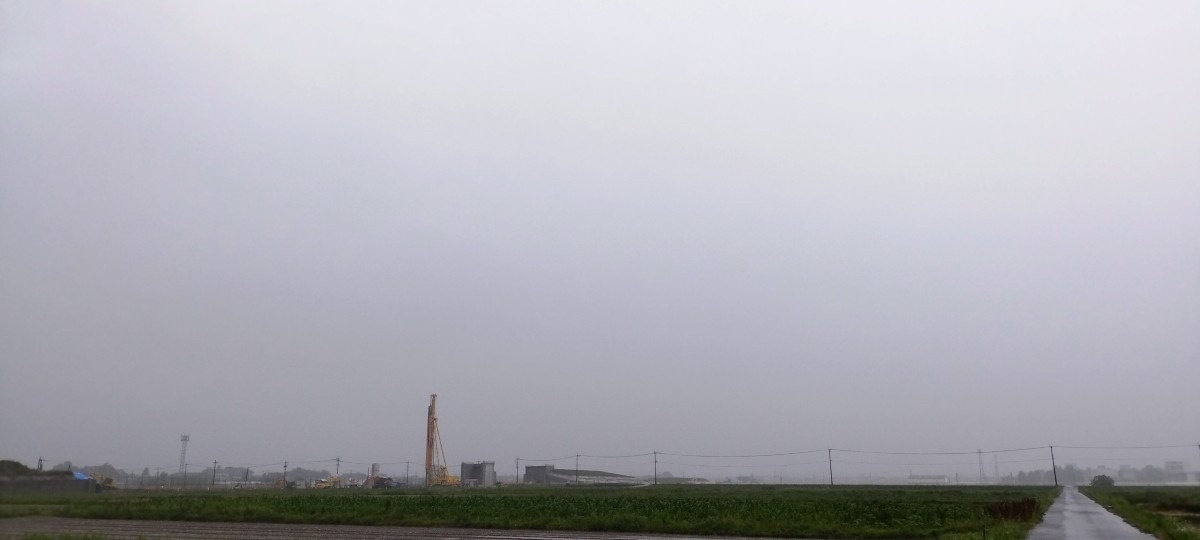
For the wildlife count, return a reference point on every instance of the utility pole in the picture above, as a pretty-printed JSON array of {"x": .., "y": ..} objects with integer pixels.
[
  {"x": 656, "y": 467},
  {"x": 214, "y": 480},
  {"x": 185, "y": 475},
  {"x": 246, "y": 477},
  {"x": 996, "y": 468},
  {"x": 338, "y": 471},
  {"x": 576, "y": 468},
  {"x": 829, "y": 457},
  {"x": 518, "y": 477},
  {"x": 979, "y": 452},
  {"x": 285, "y": 474},
  {"x": 407, "y": 478},
  {"x": 1053, "y": 466}
]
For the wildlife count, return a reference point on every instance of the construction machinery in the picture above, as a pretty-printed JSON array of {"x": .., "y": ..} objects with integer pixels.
[
  {"x": 436, "y": 473},
  {"x": 330, "y": 482},
  {"x": 103, "y": 483}
]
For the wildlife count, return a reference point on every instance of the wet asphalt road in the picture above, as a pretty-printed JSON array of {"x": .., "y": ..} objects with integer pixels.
[{"x": 1075, "y": 517}]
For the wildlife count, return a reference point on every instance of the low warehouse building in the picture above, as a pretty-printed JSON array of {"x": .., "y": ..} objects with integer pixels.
[{"x": 547, "y": 474}]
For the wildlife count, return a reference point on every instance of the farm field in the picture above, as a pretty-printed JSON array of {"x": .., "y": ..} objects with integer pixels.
[
  {"x": 767, "y": 511},
  {"x": 1168, "y": 512}
]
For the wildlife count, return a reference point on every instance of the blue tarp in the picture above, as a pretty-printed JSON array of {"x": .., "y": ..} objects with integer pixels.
[{"x": 81, "y": 476}]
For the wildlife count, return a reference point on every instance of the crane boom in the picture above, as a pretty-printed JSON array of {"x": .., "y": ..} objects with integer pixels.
[
  {"x": 430, "y": 438},
  {"x": 436, "y": 473}
]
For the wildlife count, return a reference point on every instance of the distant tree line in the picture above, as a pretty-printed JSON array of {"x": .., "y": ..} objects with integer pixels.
[{"x": 1072, "y": 475}]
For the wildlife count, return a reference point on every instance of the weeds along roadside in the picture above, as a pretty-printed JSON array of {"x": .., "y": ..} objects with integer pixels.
[{"x": 1159, "y": 510}]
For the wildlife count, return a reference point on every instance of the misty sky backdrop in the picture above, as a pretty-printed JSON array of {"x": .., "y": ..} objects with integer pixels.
[{"x": 595, "y": 227}]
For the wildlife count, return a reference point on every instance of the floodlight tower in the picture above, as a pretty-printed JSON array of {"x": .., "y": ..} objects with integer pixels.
[{"x": 183, "y": 440}]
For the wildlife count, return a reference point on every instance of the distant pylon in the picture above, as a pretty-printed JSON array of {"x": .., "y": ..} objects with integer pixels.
[{"x": 183, "y": 440}]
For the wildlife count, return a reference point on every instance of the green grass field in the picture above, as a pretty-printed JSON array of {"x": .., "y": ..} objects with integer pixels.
[
  {"x": 1168, "y": 512},
  {"x": 779, "y": 511}
]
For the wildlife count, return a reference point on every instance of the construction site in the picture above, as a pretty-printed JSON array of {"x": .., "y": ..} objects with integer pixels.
[
  {"x": 815, "y": 467},
  {"x": 339, "y": 474},
  {"x": 483, "y": 473},
  {"x": 437, "y": 472}
]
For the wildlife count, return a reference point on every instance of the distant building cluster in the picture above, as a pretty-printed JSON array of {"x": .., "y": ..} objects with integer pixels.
[{"x": 1172, "y": 472}]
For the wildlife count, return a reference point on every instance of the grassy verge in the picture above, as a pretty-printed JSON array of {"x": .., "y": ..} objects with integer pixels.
[
  {"x": 40, "y": 536},
  {"x": 35, "y": 505},
  {"x": 1170, "y": 513},
  {"x": 770, "y": 511},
  {"x": 23, "y": 510}
]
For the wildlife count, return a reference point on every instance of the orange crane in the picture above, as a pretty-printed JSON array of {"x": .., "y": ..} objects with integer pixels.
[{"x": 436, "y": 473}]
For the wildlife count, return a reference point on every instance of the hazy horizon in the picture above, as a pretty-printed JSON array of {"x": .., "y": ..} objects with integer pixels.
[{"x": 596, "y": 228}]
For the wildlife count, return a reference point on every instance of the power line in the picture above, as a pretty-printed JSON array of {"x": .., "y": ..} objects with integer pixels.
[
  {"x": 572, "y": 456},
  {"x": 1127, "y": 447},
  {"x": 380, "y": 462},
  {"x": 331, "y": 460},
  {"x": 619, "y": 457},
  {"x": 769, "y": 465},
  {"x": 941, "y": 464},
  {"x": 971, "y": 453},
  {"x": 259, "y": 466},
  {"x": 714, "y": 456}
]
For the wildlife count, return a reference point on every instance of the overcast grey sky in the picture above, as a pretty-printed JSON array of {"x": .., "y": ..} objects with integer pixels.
[{"x": 595, "y": 227}]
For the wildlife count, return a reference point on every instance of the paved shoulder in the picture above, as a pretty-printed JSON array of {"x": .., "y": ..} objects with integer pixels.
[{"x": 1075, "y": 517}]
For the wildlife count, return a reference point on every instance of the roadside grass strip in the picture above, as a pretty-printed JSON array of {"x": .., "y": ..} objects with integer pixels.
[{"x": 1167, "y": 512}]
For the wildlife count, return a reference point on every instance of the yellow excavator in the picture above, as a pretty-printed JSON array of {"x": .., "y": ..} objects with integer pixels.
[
  {"x": 103, "y": 483},
  {"x": 436, "y": 473}
]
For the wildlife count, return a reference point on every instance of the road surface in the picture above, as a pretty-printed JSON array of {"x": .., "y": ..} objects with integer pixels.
[
  {"x": 1075, "y": 517},
  {"x": 188, "y": 530}
]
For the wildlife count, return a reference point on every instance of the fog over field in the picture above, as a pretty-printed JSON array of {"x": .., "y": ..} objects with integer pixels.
[{"x": 596, "y": 227}]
